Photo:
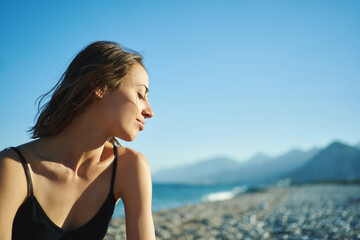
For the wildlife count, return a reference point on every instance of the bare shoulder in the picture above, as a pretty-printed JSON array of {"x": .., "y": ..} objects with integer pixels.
[
  {"x": 133, "y": 171},
  {"x": 9, "y": 160},
  {"x": 131, "y": 158},
  {"x": 133, "y": 185},
  {"x": 12, "y": 170},
  {"x": 13, "y": 190}
]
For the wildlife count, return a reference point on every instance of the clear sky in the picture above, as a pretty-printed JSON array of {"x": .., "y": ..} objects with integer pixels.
[{"x": 226, "y": 77}]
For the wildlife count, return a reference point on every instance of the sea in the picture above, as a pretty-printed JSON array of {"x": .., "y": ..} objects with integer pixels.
[{"x": 167, "y": 196}]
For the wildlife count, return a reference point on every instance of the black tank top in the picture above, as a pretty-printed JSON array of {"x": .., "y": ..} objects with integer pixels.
[{"x": 32, "y": 223}]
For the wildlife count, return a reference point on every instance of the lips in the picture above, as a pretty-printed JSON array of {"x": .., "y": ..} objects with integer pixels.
[{"x": 141, "y": 124}]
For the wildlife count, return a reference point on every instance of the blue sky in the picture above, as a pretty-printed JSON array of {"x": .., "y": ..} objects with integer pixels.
[{"x": 226, "y": 77}]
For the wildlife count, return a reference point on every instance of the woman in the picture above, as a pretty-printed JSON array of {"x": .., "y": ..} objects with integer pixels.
[{"x": 65, "y": 183}]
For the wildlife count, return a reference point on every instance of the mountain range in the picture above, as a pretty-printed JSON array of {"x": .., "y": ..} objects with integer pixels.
[{"x": 336, "y": 162}]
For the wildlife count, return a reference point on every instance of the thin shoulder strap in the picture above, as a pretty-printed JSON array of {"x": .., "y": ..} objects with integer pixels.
[
  {"x": 27, "y": 171},
  {"x": 114, "y": 169}
]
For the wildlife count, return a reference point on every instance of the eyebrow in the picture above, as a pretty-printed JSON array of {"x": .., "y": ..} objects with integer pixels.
[{"x": 146, "y": 88}]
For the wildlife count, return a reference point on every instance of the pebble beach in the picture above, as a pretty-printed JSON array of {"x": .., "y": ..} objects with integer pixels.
[{"x": 321, "y": 211}]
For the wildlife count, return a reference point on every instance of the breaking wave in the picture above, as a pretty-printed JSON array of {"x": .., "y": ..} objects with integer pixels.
[{"x": 224, "y": 195}]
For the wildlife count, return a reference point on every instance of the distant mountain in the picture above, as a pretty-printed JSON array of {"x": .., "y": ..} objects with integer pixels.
[
  {"x": 358, "y": 146},
  {"x": 337, "y": 162},
  {"x": 257, "y": 159},
  {"x": 258, "y": 169},
  {"x": 266, "y": 171},
  {"x": 244, "y": 170},
  {"x": 200, "y": 172}
]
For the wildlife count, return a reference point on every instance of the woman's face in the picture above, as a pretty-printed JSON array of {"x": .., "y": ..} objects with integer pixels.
[{"x": 125, "y": 108}]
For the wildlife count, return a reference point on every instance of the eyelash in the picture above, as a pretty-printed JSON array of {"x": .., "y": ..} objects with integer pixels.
[{"x": 141, "y": 96}]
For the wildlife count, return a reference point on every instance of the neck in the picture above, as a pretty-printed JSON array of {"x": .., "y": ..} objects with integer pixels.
[{"x": 80, "y": 144}]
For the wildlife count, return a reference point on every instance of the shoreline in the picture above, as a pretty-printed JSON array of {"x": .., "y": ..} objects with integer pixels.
[{"x": 316, "y": 211}]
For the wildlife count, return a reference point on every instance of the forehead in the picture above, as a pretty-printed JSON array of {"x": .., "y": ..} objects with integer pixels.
[{"x": 137, "y": 76}]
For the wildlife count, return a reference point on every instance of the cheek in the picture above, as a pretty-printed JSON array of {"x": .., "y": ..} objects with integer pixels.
[
  {"x": 126, "y": 124},
  {"x": 123, "y": 105},
  {"x": 120, "y": 113},
  {"x": 124, "y": 115},
  {"x": 129, "y": 110},
  {"x": 128, "y": 103}
]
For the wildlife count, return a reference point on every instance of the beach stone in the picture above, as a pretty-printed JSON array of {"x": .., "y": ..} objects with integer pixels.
[
  {"x": 299, "y": 212},
  {"x": 252, "y": 219}
]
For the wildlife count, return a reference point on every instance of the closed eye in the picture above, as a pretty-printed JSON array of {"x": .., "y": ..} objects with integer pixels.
[{"x": 141, "y": 96}]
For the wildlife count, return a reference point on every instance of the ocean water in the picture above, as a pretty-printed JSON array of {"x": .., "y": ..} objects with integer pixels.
[{"x": 167, "y": 196}]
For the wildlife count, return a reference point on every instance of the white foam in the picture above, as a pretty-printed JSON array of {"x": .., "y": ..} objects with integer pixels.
[
  {"x": 238, "y": 190},
  {"x": 224, "y": 195},
  {"x": 218, "y": 196}
]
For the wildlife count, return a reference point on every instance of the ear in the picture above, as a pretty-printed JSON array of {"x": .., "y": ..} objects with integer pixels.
[{"x": 99, "y": 93}]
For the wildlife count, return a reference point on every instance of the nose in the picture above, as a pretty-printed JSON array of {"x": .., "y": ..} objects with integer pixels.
[{"x": 148, "y": 112}]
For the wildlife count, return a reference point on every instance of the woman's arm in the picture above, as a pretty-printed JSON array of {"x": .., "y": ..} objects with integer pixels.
[
  {"x": 13, "y": 191},
  {"x": 136, "y": 193}
]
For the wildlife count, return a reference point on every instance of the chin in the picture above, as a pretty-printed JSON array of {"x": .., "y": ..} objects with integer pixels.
[
  {"x": 131, "y": 139},
  {"x": 128, "y": 137}
]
